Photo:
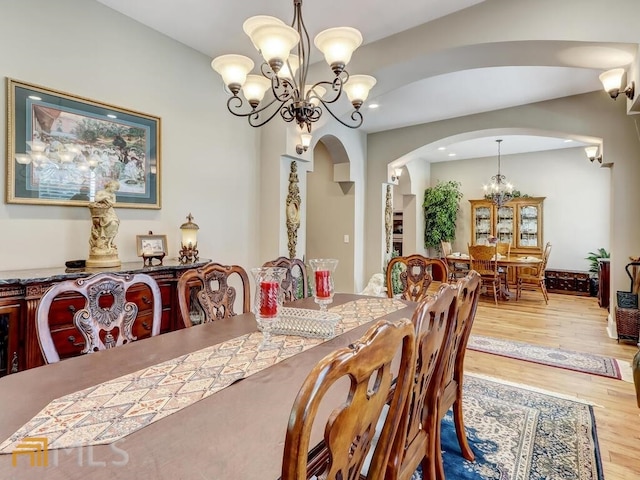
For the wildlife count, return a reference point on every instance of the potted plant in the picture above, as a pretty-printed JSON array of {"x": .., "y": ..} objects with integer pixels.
[
  {"x": 594, "y": 268},
  {"x": 441, "y": 205}
]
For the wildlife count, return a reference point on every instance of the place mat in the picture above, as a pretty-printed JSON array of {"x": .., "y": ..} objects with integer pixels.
[{"x": 112, "y": 410}]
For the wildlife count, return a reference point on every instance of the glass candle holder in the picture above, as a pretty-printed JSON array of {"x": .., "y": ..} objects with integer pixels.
[
  {"x": 268, "y": 299},
  {"x": 323, "y": 269}
]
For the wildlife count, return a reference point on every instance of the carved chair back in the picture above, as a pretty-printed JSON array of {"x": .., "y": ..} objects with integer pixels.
[
  {"x": 367, "y": 367},
  {"x": 417, "y": 274},
  {"x": 503, "y": 248},
  {"x": 295, "y": 283},
  {"x": 415, "y": 443},
  {"x": 206, "y": 289},
  {"x": 467, "y": 295},
  {"x": 107, "y": 319},
  {"x": 445, "y": 248}
]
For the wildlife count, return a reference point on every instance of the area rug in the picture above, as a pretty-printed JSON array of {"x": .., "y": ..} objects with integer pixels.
[
  {"x": 519, "y": 433},
  {"x": 555, "y": 357}
]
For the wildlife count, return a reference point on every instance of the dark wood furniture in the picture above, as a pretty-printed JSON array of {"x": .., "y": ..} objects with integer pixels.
[
  {"x": 20, "y": 293},
  {"x": 206, "y": 290},
  {"x": 295, "y": 284},
  {"x": 417, "y": 440},
  {"x": 417, "y": 274},
  {"x": 105, "y": 309},
  {"x": 349, "y": 429},
  {"x": 569, "y": 282},
  {"x": 604, "y": 269},
  {"x": 235, "y": 433}
]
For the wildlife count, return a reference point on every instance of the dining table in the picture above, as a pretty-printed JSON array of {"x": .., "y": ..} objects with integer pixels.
[
  {"x": 235, "y": 433},
  {"x": 504, "y": 261}
]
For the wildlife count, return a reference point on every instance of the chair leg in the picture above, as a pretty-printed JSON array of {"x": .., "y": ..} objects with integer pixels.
[
  {"x": 458, "y": 420},
  {"x": 438, "y": 463},
  {"x": 543, "y": 287},
  {"x": 495, "y": 292}
]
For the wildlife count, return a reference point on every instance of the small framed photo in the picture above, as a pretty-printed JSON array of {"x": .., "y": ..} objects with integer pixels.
[{"x": 151, "y": 245}]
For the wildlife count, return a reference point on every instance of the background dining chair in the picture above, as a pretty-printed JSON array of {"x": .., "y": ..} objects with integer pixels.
[
  {"x": 207, "y": 290},
  {"x": 457, "y": 270},
  {"x": 535, "y": 280},
  {"x": 367, "y": 367},
  {"x": 417, "y": 442},
  {"x": 295, "y": 284},
  {"x": 417, "y": 273},
  {"x": 467, "y": 293},
  {"x": 483, "y": 259},
  {"x": 504, "y": 249},
  {"x": 107, "y": 318}
]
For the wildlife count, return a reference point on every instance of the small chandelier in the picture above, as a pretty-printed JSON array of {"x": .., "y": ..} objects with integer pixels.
[
  {"x": 500, "y": 191},
  {"x": 286, "y": 74}
]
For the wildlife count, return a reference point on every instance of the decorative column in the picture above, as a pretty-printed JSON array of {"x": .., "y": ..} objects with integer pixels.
[
  {"x": 293, "y": 210},
  {"x": 388, "y": 219}
]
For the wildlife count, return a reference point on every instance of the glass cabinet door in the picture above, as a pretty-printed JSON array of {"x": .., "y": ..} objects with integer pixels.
[
  {"x": 529, "y": 226},
  {"x": 481, "y": 224},
  {"x": 504, "y": 224}
]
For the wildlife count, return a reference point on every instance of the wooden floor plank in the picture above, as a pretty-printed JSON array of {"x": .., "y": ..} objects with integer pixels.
[{"x": 572, "y": 323}]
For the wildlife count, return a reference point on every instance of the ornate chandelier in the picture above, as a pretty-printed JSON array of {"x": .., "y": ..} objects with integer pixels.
[
  {"x": 286, "y": 74},
  {"x": 499, "y": 191}
]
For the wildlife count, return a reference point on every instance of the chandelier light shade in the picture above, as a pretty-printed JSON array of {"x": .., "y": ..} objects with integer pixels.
[
  {"x": 499, "y": 191},
  {"x": 285, "y": 73}
]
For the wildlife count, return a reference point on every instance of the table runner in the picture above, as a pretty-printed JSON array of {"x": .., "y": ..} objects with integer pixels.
[{"x": 114, "y": 409}]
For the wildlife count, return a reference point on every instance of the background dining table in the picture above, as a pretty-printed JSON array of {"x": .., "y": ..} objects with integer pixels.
[{"x": 236, "y": 433}]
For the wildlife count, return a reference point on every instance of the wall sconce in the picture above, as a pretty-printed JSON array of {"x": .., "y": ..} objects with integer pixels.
[
  {"x": 397, "y": 173},
  {"x": 612, "y": 82},
  {"x": 189, "y": 251},
  {"x": 305, "y": 139},
  {"x": 592, "y": 153}
]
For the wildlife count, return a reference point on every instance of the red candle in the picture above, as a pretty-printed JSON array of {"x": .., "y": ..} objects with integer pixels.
[
  {"x": 323, "y": 287},
  {"x": 268, "y": 299}
]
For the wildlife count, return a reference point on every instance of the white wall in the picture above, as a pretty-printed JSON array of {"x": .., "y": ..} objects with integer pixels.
[
  {"x": 577, "y": 205},
  {"x": 87, "y": 49}
]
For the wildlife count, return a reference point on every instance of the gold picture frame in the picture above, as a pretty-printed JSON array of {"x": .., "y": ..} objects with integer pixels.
[{"x": 63, "y": 148}]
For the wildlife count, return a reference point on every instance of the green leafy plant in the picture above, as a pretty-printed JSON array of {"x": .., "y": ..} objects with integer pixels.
[
  {"x": 593, "y": 260},
  {"x": 441, "y": 205}
]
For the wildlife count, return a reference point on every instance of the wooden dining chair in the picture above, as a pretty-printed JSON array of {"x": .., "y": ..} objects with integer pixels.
[
  {"x": 367, "y": 367},
  {"x": 467, "y": 293},
  {"x": 295, "y": 284},
  {"x": 535, "y": 280},
  {"x": 417, "y": 442},
  {"x": 107, "y": 318},
  {"x": 417, "y": 273},
  {"x": 483, "y": 259},
  {"x": 206, "y": 290},
  {"x": 457, "y": 270},
  {"x": 504, "y": 250}
]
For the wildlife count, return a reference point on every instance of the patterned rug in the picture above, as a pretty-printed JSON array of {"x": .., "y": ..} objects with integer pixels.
[
  {"x": 555, "y": 357},
  {"x": 521, "y": 434}
]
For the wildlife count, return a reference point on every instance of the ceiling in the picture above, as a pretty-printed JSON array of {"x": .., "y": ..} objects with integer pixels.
[{"x": 449, "y": 90}]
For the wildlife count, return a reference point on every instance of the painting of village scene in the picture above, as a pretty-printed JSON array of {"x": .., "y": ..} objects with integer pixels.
[{"x": 69, "y": 150}]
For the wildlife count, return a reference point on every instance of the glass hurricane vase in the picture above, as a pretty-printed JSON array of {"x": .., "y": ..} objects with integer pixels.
[
  {"x": 323, "y": 269},
  {"x": 268, "y": 299}
]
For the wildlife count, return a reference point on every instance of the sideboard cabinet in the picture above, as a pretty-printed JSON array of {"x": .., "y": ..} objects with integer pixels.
[
  {"x": 20, "y": 293},
  {"x": 518, "y": 222}
]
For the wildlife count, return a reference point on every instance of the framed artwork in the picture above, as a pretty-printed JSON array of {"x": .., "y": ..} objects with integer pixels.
[
  {"x": 151, "y": 245},
  {"x": 62, "y": 149}
]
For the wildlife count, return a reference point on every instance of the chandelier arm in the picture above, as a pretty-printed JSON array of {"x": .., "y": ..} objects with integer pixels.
[
  {"x": 356, "y": 116},
  {"x": 240, "y": 103},
  {"x": 252, "y": 119},
  {"x": 335, "y": 86},
  {"x": 290, "y": 91}
]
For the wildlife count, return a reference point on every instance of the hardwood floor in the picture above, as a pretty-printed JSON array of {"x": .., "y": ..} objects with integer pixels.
[{"x": 573, "y": 323}]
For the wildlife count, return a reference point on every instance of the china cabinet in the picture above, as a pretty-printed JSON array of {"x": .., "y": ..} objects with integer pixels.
[{"x": 518, "y": 222}]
